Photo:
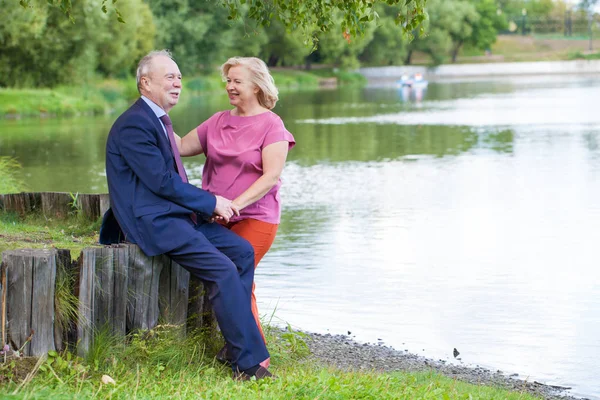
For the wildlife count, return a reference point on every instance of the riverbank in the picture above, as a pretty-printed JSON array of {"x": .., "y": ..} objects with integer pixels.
[
  {"x": 344, "y": 353},
  {"x": 377, "y": 75},
  {"x": 107, "y": 96},
  {"x": 353, "y": 363}
]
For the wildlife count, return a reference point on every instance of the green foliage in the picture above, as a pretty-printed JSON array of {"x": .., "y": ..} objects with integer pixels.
[
  {"x": 66, "y": 303},
  {"x": 388, "y": 47},
  {"x": 534, "y": 8},
  {"x": 486, "y": 28},
  {"x": 39, "y": 47},
  {"x": 578, "y": 55},
  {"x": 340, "y": 52},
  {"x": 314, "y": 16},
  {"x": 296, "y": 341},
  {"x": 283, "y": 48},
  {"x": 197, "y": 33}
]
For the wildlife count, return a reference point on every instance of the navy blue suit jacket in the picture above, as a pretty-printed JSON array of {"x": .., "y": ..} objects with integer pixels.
[{"x": 150, "y": 204}]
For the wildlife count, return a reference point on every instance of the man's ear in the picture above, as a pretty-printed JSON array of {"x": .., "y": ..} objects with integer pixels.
[{"x": 144, "y": 82}]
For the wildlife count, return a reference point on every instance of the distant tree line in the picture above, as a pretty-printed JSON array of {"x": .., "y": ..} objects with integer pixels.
[{"x": 39, "y": 47}]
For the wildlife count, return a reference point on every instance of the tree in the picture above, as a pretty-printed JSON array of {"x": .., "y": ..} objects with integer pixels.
[
  {"x": 478, "y": 25},
  {"x": 485, "y": 31},
  {"x": 197, "y": 32},
  {"x": 334, "y": 49},
  {"x": 445, "y": 16},
  {"x": 461, "y": 28},
  {"x": 306, "y": 16},
  {"x": 388, "y": 46},
  {"x": 534, "y": 8},
  {"x": 44, "y": 49},
  {"x": 281, "y": 48}
]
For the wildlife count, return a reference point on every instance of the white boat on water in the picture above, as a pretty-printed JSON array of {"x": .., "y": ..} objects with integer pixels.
[{"x": 415, "y": 81}]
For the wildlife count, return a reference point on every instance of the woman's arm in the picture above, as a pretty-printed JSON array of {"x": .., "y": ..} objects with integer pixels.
[
  {"x": 273, "y": 160},
  {"x": 189, "y": 145}
]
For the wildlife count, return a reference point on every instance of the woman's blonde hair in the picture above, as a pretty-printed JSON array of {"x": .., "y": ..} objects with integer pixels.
[{"x": 260, "y": 76}]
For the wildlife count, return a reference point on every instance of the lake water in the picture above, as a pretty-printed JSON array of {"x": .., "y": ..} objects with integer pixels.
[{"x": 463, "y": 216}]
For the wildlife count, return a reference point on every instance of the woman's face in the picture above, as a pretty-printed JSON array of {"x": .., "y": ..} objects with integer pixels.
[{"x": 240, "y": 89}]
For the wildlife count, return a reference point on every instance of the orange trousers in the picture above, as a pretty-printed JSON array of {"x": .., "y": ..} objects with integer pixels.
[{"x": 261, "y": 235}]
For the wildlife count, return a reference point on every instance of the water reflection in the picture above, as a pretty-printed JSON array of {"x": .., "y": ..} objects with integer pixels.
[{"x": 468, "y": 222}]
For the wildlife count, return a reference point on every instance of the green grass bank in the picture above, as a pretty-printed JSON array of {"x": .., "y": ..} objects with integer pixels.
[
  {"x": 160, "y": 364},
  {"x": 108, "y": 95}
]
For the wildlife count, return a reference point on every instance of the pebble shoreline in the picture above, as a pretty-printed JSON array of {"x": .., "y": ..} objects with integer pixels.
[{"x": 343, "y": 352}]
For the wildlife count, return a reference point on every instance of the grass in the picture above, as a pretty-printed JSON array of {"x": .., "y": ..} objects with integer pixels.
[
  {"x": 108, "y": 95},
  {"x": 160, "y": 364},
  {"x": 518, "y": 48},
  {"x": 9, "y": 183},
  {"x": 35, "y": 232},
  {"x": 50, "y": 102}
]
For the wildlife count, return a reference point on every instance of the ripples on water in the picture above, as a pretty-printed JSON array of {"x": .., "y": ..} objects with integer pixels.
[
  {"x": 491, "y": 250},
  {"x": 465, "y": 219}
]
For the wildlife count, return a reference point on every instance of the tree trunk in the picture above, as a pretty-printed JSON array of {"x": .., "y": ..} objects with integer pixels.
[
  {"x": 102, "y": 294},
  {"x": 455, "y": 51},
  {"x": 408, "y": 57},
  {"x": 28, "y": 299}
]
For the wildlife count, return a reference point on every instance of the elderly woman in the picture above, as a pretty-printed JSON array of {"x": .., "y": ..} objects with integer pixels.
[{"x": 245, "y": 150}]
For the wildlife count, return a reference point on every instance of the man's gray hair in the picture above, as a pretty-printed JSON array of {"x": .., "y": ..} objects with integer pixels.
[{"x": 146, "y": 62}]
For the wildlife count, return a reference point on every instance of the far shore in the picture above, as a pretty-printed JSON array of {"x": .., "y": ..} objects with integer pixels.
[{"x": 487, "y": 70}]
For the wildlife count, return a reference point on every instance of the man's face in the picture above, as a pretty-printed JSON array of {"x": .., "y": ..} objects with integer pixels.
[{"x": 162, "y": 84}]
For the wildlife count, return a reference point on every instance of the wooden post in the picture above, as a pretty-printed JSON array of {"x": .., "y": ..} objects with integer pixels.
[
  {"x": 22, "y": 203},
  {"x": 3, "y": 340},
  {"x": 29, "y": 293},
  {"x": 93, "y": 206},
  {"x": 57, "y": 205},
  {"x": 173, "y": 293},
  {"x": 104, "y": 203},
  {"x": 144, "y": 278},
  {"x": 102, "y": 293}
]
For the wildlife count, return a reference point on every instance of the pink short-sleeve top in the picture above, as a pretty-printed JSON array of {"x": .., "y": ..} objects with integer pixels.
[{"x": 233, "y": 148}]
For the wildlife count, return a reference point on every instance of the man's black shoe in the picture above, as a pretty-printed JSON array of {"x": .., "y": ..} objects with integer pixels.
[
  {"x": 223, "y": 356},
  {"x": 260, "y": 373}
]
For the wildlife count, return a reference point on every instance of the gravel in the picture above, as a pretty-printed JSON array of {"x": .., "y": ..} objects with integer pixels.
[{"x": 344, "y": 353}]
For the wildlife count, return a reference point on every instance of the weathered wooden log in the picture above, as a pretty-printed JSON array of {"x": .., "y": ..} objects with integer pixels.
[
  {"x": 3, "y": 339},
  {"x": 29, "y": 299},
  {"x": 93, "y": 206},
  {"x": 119, "y": 290},
  {"x": 104, "y": 203},
  {"x": 144, "y": 279},
  {"x": 56, "y": 204},
  {"x": 102, "y": 293},
  {"x": 174, "y": 294},
  {"x": 21, "y": 203}
]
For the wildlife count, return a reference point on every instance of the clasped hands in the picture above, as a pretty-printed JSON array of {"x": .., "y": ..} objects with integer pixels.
[{"x": 224, "y": 210}]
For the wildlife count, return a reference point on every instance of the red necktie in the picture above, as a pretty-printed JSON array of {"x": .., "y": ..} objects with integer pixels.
[{"x": 167, "y": 121}]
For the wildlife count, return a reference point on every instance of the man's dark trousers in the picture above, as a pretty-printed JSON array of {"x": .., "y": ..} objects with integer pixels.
[{"x": 212, "y": 255}]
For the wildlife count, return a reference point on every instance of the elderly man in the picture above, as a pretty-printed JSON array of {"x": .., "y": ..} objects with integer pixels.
[{"x": 154, "y": 206}]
